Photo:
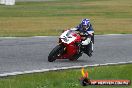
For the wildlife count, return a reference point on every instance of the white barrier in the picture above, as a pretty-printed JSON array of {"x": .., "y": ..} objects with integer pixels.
[
  {"x": 2, "y": 1},
  {"x": 7, "y": 2},
  {"x": 10, "y": 2}
]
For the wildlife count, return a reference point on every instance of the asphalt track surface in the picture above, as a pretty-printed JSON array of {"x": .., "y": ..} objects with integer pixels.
[{"x": 27, "y": 54}]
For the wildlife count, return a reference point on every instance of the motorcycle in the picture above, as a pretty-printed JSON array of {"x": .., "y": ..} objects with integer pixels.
[{"x": 68, "y": 47}]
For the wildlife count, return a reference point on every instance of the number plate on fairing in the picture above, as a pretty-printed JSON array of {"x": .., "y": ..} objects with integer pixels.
[{"x": 67, "y": 37}]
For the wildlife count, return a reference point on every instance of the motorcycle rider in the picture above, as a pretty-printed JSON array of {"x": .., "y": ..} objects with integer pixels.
[{"x": 86, "y": 31}]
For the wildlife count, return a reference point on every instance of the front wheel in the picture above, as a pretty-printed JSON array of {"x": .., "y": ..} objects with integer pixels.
[{"x": 55, "y": 52}]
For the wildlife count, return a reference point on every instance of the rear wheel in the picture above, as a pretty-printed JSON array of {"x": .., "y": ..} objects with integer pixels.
[{"x": 55, "y": 53}]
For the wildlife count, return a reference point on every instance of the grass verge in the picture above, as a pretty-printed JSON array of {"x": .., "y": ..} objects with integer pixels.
[
  {"x": 50, "y": 17},
  {"x": 68, "y": 78}
]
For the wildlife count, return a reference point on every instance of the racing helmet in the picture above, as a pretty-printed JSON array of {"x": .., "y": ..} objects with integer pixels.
[{"x": 85, "y": 23}]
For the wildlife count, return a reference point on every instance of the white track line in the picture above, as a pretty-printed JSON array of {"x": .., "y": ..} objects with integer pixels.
[{"x": 62, "y": 68}]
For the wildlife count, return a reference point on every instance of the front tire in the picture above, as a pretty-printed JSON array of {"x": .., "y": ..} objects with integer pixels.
[{"x": 55, "y": 52}]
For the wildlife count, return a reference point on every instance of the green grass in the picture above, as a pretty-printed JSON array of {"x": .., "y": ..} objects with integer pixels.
[
  {"x": 50, "y": 17},
  {"x": 68, "y": 78}
]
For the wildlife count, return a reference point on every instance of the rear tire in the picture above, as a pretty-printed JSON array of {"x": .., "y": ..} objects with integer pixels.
[{"x": 55, "y": 52}]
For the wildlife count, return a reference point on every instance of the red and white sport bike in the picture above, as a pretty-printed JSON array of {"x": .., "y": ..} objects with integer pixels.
[{"x": 68, "y": 48}]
